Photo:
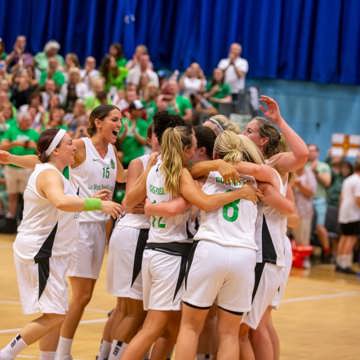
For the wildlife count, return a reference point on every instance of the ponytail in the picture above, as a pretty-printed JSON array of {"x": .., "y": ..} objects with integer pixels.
[{"x": 173, "y": 143}]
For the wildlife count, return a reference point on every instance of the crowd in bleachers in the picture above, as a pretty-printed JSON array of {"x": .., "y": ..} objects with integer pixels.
[{"x": 46, "y": 90}]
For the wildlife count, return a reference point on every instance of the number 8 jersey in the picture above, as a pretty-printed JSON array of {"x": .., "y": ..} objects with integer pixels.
[
  {"x": 164, "y": 229},
  {"x": 230, "y": 225}
]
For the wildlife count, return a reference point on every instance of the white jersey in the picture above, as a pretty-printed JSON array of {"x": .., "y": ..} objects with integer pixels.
[
  {"x": 94, "y": 174},
  {"x": 138, "y": 221},
  {"x": 270, "y": 234},
  {"x": 164, "y": 229},
  {"x": 230, "y": 225},
  {"x": 45, "y": 231}
]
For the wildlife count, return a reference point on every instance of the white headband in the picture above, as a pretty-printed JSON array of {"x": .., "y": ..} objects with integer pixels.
[{"x": 55, "y": 142}]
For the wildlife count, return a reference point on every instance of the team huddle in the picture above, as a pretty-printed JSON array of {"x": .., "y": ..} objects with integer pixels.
[{"x": 198, "y": 255}]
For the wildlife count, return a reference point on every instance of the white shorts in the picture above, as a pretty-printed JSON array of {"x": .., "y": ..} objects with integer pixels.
[
  {"x": 124, "y": 262},
  {"x": 268, "y": 279},
  {"x": 88, "y": 250},
  {"x": 16, "y": 179},
  {"x": 33, "y": 281},
  {"x": 221, "y": 274},
  {"x": 160, "y": 274},
  {"x": 285, "y": 273}
]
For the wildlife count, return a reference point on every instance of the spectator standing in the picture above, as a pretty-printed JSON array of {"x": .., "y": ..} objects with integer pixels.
[
  {"x": 116, "y": 51},
  {"x": 51, "y": 50},
  {"x": 235, "y": 69},
  {"x": 322, "y": 174},
  {"x": 349, "y": 219},
  {"x": 304, "y": 187},
  {"x": 133, "y": 133},
  {"x": 217, "y": 91},
  {"x": 193, "y": 81},
  {"x": 18, "y": 57},
  {"x": 144, "y": 69},
  {"x": 20, "y": 139},
  {"x": 114, "y": 76}
]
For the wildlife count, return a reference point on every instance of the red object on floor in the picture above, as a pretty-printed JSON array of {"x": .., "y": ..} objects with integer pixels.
[{"x": 300, "y": 252}]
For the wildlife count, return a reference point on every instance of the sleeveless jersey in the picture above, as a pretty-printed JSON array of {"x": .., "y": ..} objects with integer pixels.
[
  {"x": 270, "y": 235},
  {"x": 138, "y": 221},
  {"x": 230, "y": 225},
  {"x": 94, "y": 174},
  {"x": 164, "y": 229},
  {"x": 45, "y": 231}
]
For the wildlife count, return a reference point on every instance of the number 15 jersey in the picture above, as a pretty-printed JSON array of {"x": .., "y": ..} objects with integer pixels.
[{"x": 231, "y": 225}]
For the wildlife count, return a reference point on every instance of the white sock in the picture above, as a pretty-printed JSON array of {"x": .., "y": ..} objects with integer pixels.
[
  {"x": 341, "y": 261},
  {"x": 348, "y": 260},
  {"x": 104, "y": 350},
  {"x": 117, "y": 349},
  {"x": 47, "y": 355},
  {"x": 13, "y": 348},
  {"x": 64, "y": 348}
]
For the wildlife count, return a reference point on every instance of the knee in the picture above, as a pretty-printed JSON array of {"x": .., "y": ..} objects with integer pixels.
[
  {"x": 244, "y": 332},
  {"x": 82, "y": 299},
  {"x": 54, "y": 319}
]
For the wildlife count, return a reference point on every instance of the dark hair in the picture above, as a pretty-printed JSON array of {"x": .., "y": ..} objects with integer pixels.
[
  {"x": 162, "y": 121},
  {"x": 105, "y": 68},
  {"x": 46, "y": 137},
  {"x": 100, "y": 113},
  {"x": 205, "y": 138},
  {"x": 269, "y": 131},
  {"x": 74, "y": 58},
  {"x": 119, "y": 50},
  {"x": 350, "y": 166}
]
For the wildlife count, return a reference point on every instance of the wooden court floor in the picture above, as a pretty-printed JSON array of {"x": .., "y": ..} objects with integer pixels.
[{"x": 319, "y": 318}]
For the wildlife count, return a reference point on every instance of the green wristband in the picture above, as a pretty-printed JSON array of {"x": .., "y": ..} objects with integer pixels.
[{"x": 91, "y": 204}]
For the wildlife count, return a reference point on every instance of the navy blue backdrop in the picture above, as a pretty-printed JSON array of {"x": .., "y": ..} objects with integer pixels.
[{"x": 317, "y": 40}]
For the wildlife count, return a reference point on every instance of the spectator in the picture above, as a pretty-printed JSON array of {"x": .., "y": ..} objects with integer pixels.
[
  {"x": 51, "y": 50},
  {"x": 3, "y": 54},
  {"x": 235, "y": 69},
  {"x": 77, "y": 118},
  {"x": 71, "y": 61},
  {"x": 143, "y": 70},
  {"x": 56, "y": 117},
  {"x": 133, "y": 133},
  {"x": 3, "y": 73},
  {"x": 53, "y": 72},
  {"x": 18, "y": 57},
  {"x": 322, "y": 174},
  {"x": 304, "y": 186},
  {"x": 20, "y": 139},
  {"x": 149, "y": 101},
  {"x": 36, "y": 110},
  {"x": 116, "y": 51},
  {"x": 50, "y": 90},
  {"x": 22, "y": 90},
  {"x": 89, "y": 71},
  {"x": 134, "y": 62},
  {"x": 193, "y": 81},
  {"x": 218, "y": 92},
  {"x": 8, "y": 113},
  {"x": 114, "y": 76},
  {"x": 169, "y": 100},
  {"x": 92, "y": 98},
  {"x": 349, "y": 219},
  {"x": 123, "y": 99},
  {"x": 73, "y": 90}
]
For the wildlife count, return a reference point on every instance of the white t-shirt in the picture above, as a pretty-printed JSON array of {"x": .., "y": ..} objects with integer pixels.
[
  {"x": 236, "y": 83},
  {"x": 135, "y": 74},
  {"x": 349, "y": 211}
]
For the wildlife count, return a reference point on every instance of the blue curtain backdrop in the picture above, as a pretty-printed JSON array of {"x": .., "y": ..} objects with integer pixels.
[{"x": 317, "y": 40}]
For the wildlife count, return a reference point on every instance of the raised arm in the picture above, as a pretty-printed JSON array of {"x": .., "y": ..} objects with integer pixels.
[
  {"x": 24, "y": 161},
  {"x": 191, "y": 193},
  {"x": 298, "y": 156}
]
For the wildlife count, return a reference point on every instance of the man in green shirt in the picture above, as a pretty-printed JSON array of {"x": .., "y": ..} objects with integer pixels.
[
  {"x": 19, "y": 139},
  {"x": 53, "y": 73},
  {"x": 322, "y": 174},
  {"x": 51, "y": 49}
]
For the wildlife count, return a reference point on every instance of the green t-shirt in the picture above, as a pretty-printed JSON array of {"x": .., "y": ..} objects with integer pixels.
[
  {"x": 118, "y": 81},
  {"x": 182, "y": 104},
  {"x": 3, "y": 55},
  {"x": 224, "y": 90},
  {"x": 322, "y": 168},
  {"x": 130, "y": 147},
  {"x": 58, "y": 77},
  {"x": 42, "y": 61},
  {"x": 150, "y": 108},
  {"x": 14, "y": 133},
  {"x": 121, "y": 63},
  {"x": 6, "y": 126}
]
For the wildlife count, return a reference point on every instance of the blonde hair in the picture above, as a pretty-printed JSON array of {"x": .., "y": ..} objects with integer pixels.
[
  {"x": 173, "y": 143},
  {"x": 234, "y": 148},
  {"x": 225, "y": 123}
]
